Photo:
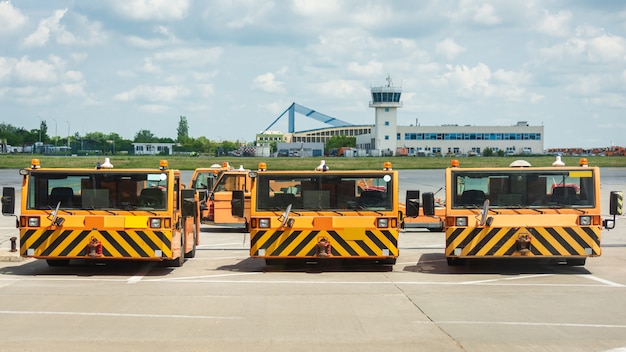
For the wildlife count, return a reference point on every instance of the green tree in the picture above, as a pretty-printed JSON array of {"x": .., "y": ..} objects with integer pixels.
[
  {"x": 17, "y": 136},
  {"x": 43, "y": 131},
  {"x": 145, "y": 136},
  {"x": 487, "y": 152},
  {"x": 336, "y": 142},
  {"x": 183, "y": 130}
]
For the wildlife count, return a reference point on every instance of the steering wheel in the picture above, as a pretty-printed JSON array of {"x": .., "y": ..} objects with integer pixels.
[{"x": 149, "y": 202}]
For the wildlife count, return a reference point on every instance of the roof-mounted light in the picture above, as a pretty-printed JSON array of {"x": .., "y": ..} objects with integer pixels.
[
  {"x": 262, "y": 166},
  {"x": 322, "y": 166},
  {"x": 35, "y": 164},
  {"x": 519, "y": 163},
  {"x": 387, "y": 165},
  {"x": 454, "y": 163},
  {"x": 163, "y": 165},
  {"x": 583, "y": 162}
]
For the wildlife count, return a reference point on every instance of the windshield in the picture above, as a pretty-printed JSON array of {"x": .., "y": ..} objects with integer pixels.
[
  {"x": 203, "y": 180},
  {"x": 524, "y": 188},
  {"x": 325, "y": 192},
  {"x": 97, "y": 190}
]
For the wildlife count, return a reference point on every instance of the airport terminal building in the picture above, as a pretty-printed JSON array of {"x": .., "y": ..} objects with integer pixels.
[{"x": 385, "y": 137}]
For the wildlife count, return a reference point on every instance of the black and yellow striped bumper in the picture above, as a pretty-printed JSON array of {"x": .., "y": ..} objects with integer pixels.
[
  {"x": 116, "y": 244},
  {"x": 505, "y": 241},
  {"x": 375, "y": 243}
]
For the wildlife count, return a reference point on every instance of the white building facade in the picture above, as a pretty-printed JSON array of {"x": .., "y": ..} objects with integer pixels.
[
  {"x": 153, "y": 148},
  {"x": 387, "y": 138}
]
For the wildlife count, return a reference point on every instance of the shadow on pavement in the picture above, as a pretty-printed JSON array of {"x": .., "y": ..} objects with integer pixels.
[{"x": 436, "y": 263}]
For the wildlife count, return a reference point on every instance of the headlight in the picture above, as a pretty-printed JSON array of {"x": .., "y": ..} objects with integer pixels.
[
  {"x": 264, "y": 223},
  {"x": 155, "y": 223},
  {"x": 462, "y": 221},
  {"x": 383, "y": 222},
  {"x": 33, "y": 222},
  {"x": 585, "y": 220}
]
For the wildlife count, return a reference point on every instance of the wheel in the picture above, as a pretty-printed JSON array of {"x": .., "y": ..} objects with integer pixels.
[
  {"x": 192, "y": 252},
  {"x": 58, "y": 262}
]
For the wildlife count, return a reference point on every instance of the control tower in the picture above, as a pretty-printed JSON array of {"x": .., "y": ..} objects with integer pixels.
[{"x": 385, "y": 101}]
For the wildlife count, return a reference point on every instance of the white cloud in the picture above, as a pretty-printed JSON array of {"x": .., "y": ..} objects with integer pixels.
[
  {"x": 11, "y": 18},
  {"x": 166, "y": 58},
  {"x": 51, "y": 29},
  {"x": 153, "y": 10},
  {"x": 190, "y": 56},
  {"x": 41, "y": 36},
  {"x": 343, "y": 89},
  {"x": 316, "y": 7},
  {"x": 371, "y": 69},
  {"x": 486, "y": 14},
  {"x": 480, "y": 82},
  {"x": 149, "y": 67},
  {"x": 267, "y": 82},
  {"x": 478, "y": 12},
  {"x": 29, "y": 71},
  {"x": 555, "y": 25},
  {"x": 606, "y": 48},
  {"x": 153, "y": 93},
  {"x": 449, "y": 48},
  {"x": 598, "y": 49},
  {"x": 468, "y": 80}
]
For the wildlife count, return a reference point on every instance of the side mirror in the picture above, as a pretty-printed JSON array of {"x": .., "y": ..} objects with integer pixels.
[
  {"x": 412, "y": 204},
  {"x": 428, "y": 201},
  {"x": 237, "y": 203},
  {"x": 615, "y": 204},
  {"x": 8, "y": 201}
]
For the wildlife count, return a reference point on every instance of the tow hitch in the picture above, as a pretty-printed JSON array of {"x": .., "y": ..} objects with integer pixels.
[
  {"x": 322, "y": 248},
  {"x": 94, "y": 248},
  {"x": 523, "y": 243}
]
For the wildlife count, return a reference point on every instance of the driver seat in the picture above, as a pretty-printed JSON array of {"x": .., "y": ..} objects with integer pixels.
[{"x": 152, "y": 197}]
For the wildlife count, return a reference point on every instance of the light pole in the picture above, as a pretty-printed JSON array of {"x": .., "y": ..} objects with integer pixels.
[
  {"x": 56, "y": 133},
  {"x": 68, "y": 134},
  {"x": 40, "y": 123}
]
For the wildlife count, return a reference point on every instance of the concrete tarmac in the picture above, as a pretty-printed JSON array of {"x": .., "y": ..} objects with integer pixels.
[{"x": 222, "y": 300}]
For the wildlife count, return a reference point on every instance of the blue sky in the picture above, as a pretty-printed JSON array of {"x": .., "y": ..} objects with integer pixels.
[{"x": 231, "y": 67}]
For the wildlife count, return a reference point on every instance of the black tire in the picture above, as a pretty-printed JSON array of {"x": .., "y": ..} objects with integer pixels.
[{"x": 58, "y": 262}]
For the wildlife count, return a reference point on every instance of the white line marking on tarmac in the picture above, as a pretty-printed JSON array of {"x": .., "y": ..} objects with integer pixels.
[
  {"x": 140, "y": 275},
  {"x": 127, "y": 315},
  {"x": 200, "y": 277},
  {"x": 514, "y": 323},
  {"x": 598, "y": 279},
  {"x": 504, "y": 279},
  {"x": 218, "y": 279}
]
